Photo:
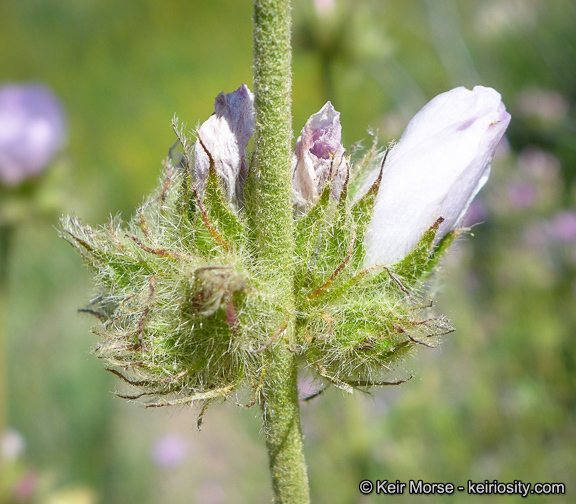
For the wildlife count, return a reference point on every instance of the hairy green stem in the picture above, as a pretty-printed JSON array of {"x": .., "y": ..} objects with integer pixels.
[
  {"x": 270, "y": 213},
  {"x": 271, "y": 204},
  {"x": 281, "y": 417}
]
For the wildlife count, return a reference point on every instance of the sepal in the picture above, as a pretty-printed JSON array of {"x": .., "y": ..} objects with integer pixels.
[
  {"x": 363, "y": 209},
  {"x": 356, "y": 321},
  {"x": 181, "y": 313},
  {"x": 325, "y": 241},
  {"x": 218, "y": 224},
  {"x": 416, "y": 264}
]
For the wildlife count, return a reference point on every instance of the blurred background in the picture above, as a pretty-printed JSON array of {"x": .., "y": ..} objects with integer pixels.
[{"x": 497, "y": 400}]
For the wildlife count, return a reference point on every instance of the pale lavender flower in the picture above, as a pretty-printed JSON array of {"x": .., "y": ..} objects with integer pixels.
[
  {"x": 319, "y": 158},
  {"x": 224, "y": 138},
  {"x": 440, "y": 163},
  {"x": 32, "y": 131},
  {"x": 169, "y": 451}
]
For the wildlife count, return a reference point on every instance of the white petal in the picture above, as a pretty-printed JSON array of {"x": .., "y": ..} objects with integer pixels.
[
  {"x": 224, "y": 137},
  {"x": 435, "y": 170}
]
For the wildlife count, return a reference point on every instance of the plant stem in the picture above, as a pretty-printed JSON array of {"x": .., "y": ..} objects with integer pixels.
[
  {"x": 270, "y": 213},
  {"x": 281, "y": 418},
  {"x": 271, "y": 178}
]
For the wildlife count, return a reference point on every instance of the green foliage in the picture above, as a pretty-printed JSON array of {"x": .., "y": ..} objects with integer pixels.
[
  {"x": 186, "y": 312},
  {"x": 355, "y": 321},
  {"x": 176, "y": 300}
]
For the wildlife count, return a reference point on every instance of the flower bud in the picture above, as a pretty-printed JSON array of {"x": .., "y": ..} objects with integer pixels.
[
  {"x": 31, "y": 131},
  {"x": 440, "y": 163},
  {"x": 319, "y": 158},
  {"x": 223, "y": 139}
]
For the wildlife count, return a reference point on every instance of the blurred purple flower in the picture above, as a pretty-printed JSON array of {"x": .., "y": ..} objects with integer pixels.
[
  {"x": 25, "y": 487},
  {"x": 563, "y": 227},
  {"x": 521, "y": 195},
  {"x": 544, "y": 104},
  {"x": 169, "y": 451},
  {"x": 32, "y": 131},
  {"x": 538, "y": 164}
]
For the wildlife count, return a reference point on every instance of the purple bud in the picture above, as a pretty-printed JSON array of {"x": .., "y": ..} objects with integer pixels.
[
  {"x": 440, "y": 163},
  {"x": 32, "y": 131},
  {"x": 319, "y": 157},
  {"x": 224, "y": 138}
]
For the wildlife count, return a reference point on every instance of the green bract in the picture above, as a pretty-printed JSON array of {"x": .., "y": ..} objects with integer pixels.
[{"x": 186, "y": 315}]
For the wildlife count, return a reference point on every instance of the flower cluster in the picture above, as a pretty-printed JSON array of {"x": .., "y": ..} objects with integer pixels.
[{"x": 186, "y": 314}]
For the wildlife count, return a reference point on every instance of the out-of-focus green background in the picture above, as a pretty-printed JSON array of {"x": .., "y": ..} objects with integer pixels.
[{"x": 496, "y": 401}]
